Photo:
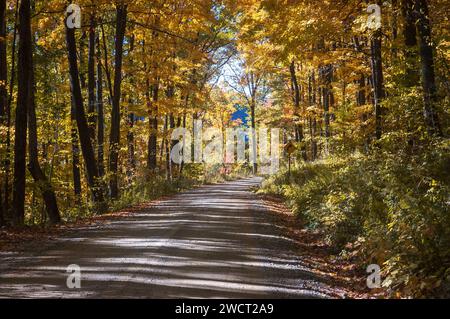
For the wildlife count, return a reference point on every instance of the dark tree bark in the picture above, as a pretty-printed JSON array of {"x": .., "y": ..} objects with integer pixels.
[
  {"x": 184, "y": 126},
  {"x": 428, "y": 73},
  {"x": 153, "y": 126},
  {"x": 23, "y": 99},
  {"x": 82, "y": 65},
  {"x": 131, "y": 119},
  {"x": 91, "y": 81},
  {"x": 114, "y": 138},
  {"x": 100, "y": 114},
  {"x": 131, "y": 149},
  {"x": 3, "y": 63},
  {"x": 106, "y": 66},
  {"x": 312, "y": 121},
  {"x": 3, "y": 90},
  {"x": 410, "y": 39},
  {"x": 298, "y": 126},
  {"x": 165, "y": 148},
  {"x": 75, "y": 154},
  {"x": 326, "y": 74},
  {"x": 253, "y": 137},
  {"x": 83, "y": 128}
]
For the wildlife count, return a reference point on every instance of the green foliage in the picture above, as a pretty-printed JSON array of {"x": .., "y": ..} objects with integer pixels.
[{"x": 385, "y": 208}]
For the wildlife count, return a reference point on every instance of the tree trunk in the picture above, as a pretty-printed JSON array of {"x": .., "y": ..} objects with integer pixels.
[
  {"x": 100, "y": 114},
  {"x": 327, "y": 77},
  {"x": 428, "y": 73},
  {"x": 3, "y": 91},
  {"x": 153, "y": 127},
  {"x": 83, "y": 128},
  {"x": 131, "y": 119},
  {"x": 298, "y": 126},
  {"x": 131, "y": 149},
  {"x": 184, "y": 141},
  {"x": 75, "y": 155},
  {"x": 410, "y": 39},
  {"x": 253, "y": 137},
  {"x": 3, "y": 63},
  {"x": 114, "y": 137},
  {"x": 91, "y": 81},
  {"x": 165, "y": 147},
  {"x": 312, "y": 122},
  {"x": 23, "y": 99}
]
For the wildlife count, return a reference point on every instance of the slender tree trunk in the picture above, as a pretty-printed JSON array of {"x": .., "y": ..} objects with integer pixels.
[
  {"x": 184, "y": 141},
  {"x": 107, "y": 71},
  {"x": 410, "y": 39},
  {"x": 75, "y": 154},
  {"x": 100, "y": 114},
  {"x": 298, "y": 126},
  {"x": 3, "y": 92},
  {"x": 91, "y": 81},
  {"x": 131, "y": 119},
  {"x": 23, "y": 99},
  {"x": 83, "y": 128},
  {"x": 153, "y": 127},
  {"x": 82, "y": 65},
  {"x": 327, "y": 76},
  {"x": 165, "y": 147},
  {"x": 312, "y": 125},
  {"x": 114, "y": 137},
  {"x": 253, "y": 137},
  {"x": 428, "y": 73},
  {"x": 131, "y": 149},
  {"x": 3, "y": 64}
]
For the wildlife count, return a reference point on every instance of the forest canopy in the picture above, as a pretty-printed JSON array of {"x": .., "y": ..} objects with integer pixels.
[{"x": 361, "y": 89}]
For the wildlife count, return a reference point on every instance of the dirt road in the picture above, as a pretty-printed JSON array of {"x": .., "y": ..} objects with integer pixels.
[{"x": 218, "y": 241}]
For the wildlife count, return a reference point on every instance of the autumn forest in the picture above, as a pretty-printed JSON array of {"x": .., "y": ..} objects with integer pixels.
[{"x": 91, "y": 93}]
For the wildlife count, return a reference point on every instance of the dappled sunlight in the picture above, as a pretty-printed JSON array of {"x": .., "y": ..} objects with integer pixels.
[{"x": 187, "y": 246}]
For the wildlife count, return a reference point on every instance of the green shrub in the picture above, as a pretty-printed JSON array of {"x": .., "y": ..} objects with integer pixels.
[{"x": 393, "y": 208}]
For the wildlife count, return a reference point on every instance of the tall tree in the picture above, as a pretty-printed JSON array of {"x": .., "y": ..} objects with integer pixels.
[
  {"x": 91, "y": 79},
  {"x": 3, "y": 90},
  {"x": 100, "y": 113},
  {"x": 76, "y": 174},
  {"x": 83, "y": 128},
  {"x": 410, "y": 40},
  {"x": 23, "y": 100},
  {"x": 3, "y": 63},
  {"x": 296, "y": 92},
  {"x": 153, "y": 124},
  {"x": 428, "y": 72},
  {"x": 114, "y": 137}
]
